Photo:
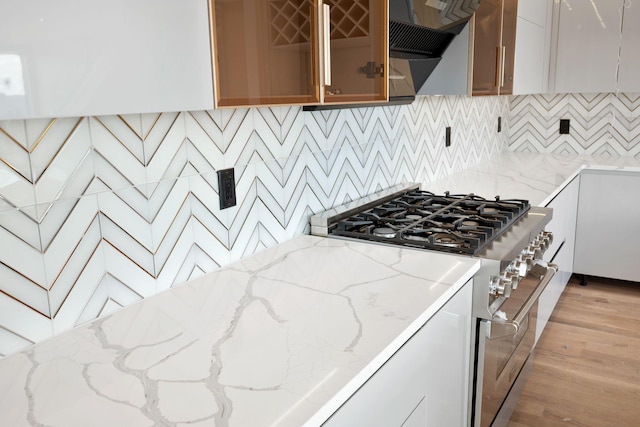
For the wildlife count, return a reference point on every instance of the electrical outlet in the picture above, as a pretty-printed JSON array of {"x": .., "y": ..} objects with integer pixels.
[
  {"x": 447, "y": 138},
  {"x": 226, "y": 188},
  {"x": 565, "y": 126},
  {"x": 499, "y": 124}
]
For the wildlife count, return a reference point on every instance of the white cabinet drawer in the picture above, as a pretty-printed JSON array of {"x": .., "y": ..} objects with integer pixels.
[{"x": 426, "y": 382}]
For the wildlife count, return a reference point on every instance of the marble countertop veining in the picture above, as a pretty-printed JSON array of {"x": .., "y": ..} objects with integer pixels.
[{"x": 281, "y": 338}]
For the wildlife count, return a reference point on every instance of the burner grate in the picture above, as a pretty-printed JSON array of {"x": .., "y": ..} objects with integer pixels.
[{"x": 452, "y": 223}]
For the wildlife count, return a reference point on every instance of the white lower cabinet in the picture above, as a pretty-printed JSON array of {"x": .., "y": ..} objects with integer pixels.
[
  {"x": 608, "y": 225},
  {"x": 426, "y": 382},
  {"x": 561, "y": 251}
]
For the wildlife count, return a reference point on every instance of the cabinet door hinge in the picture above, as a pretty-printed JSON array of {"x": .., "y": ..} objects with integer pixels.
[{"x": 372, "y": 71}]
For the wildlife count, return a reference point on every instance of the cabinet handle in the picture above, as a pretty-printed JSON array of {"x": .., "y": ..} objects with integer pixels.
[
  {"x": 499, "y": 329},
  {"x": 326, "y": 16},
  {"x": 498, "y": 66},
  {"x": 504, "y": 59}
]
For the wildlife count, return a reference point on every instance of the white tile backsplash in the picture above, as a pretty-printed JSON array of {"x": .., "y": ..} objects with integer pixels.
[
  {"x": 132, "y": 200},
  {"x": 603, "y": 124}
]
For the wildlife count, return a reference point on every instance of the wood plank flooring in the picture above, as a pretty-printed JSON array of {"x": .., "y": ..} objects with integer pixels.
[{"x": 587, "y": 361}]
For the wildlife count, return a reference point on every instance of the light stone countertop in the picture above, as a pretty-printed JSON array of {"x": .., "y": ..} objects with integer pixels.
[
  {"x": 534, "y": 177},
  {"x": 281, "y": 339}
]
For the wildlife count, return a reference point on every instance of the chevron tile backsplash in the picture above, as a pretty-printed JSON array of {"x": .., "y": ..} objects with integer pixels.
[
  {"x": 602, "y": 124},
  {"x": 97, "y": 213}
]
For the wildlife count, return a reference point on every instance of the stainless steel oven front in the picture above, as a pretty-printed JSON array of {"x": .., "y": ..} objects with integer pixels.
[{"x": 504, "y": 349}]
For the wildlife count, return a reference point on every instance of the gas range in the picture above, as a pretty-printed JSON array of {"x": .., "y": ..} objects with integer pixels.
[
  {"x": 506, "y": 235},
  {"x": 463, "y": 223}
]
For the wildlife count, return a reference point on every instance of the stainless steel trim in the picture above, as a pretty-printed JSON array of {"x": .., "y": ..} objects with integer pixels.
[
  {"x": 498, "y": 329},
  {"x": 524, "y": 231},
  {"x": 504, "y": 414},
  {"x": 320, "y": 222}
]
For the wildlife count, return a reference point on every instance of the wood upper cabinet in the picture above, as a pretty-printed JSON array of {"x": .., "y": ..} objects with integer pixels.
[
  {"x": 302, "y": 52},
  {"x": 265, "y": 52},
  {"x": 494, "y": 36}
]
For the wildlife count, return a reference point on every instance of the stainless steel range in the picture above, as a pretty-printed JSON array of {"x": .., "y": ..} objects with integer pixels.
[{"x": 506, "y": 235}]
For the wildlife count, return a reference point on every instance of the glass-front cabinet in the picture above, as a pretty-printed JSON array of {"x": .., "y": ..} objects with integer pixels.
[
  {"x": 494, "y": 38},
  {"x": 299, "y": 52}
]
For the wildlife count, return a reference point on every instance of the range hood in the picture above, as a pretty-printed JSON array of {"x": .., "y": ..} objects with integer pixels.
[{"x": 419, "y": 33}]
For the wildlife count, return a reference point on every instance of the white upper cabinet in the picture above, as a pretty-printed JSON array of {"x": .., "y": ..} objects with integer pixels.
[
  {"x": 88, "y": 57},
  {"x": 588, "y": 40},
  {"x": 628, "y": 77},
  {"x": 533, "y": 38}
]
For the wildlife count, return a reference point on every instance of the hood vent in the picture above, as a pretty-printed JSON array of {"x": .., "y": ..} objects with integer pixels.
[
  {"x": 419, "y": 33},
  {"x": 417, "y": 39}
]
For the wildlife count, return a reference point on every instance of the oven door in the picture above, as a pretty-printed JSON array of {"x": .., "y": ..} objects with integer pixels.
[{"x": 504, "y": 344}]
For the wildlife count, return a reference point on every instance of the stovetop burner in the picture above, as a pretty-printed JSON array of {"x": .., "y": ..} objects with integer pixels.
[
  {"x": 452, "y": 223},
  {"x": 387, "y": 232}
]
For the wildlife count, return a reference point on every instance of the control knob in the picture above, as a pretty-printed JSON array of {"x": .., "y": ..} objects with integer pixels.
[
  {"x": 511, "y": 276},
  {"x": 519, "y": 266},
  {"x": 542, "y": 242},
  {"x": 547, "y": 237},
  {"x": 500, "y": 286},
  {"x": 537, "y": 251},
  {"x": 527, "y": 258}
]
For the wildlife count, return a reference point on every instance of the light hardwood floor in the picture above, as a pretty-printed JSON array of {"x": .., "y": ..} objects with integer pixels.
[{"x": 587, "y": 361}]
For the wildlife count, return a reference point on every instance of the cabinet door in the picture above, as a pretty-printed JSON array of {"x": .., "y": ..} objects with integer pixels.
[
  {"x": 88, "y": 57},
  {"x": 265, "y": 52},
  {"x": 529, "y": 67},
  {"x": 533, "y": 36},
  {"x": 561, "y": 251},
  {"x": 587, "y": 46},
  {"x": 608, "y": 228},
  {"x": 358, "y": 51},
  {"x": 487, "y": 47},
  {"x": 494, "y": 47},
  {"x": 509, "y": 22},
  {"x": 426, "y": 382},
  {"x": 628, "y": 78}
]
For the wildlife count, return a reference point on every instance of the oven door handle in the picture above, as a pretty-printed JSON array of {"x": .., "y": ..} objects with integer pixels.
[{"x": 498, "y": 329}]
